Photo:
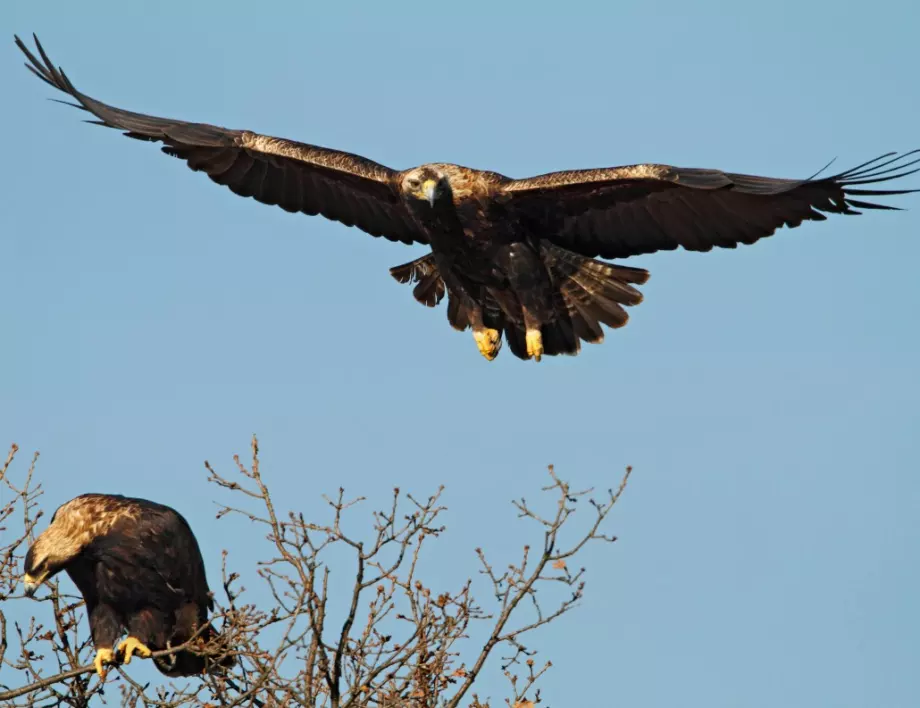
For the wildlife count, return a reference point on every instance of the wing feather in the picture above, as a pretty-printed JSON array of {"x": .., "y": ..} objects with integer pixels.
[
  {"x": 295, "y": 176},
  {"x": 626, "y": 211}
]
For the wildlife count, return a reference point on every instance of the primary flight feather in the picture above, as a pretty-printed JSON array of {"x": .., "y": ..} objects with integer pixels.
[{"x": 515, "y": 257}]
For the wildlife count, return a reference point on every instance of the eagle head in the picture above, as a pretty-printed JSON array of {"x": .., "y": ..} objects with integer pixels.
[
  {"x": 426, "y": 184},
  {"x": 63, "y": 540}
]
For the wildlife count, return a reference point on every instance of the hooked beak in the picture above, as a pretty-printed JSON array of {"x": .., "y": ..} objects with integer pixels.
[
  {"x": 430, "y": 190},
  {"x": 31, "y": 584}
]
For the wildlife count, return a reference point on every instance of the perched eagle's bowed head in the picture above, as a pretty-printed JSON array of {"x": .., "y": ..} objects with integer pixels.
[
  {"x": 66, "y": 537},
  {"x": 516, "y": 258},
  {"x": 139, "y": 569}
]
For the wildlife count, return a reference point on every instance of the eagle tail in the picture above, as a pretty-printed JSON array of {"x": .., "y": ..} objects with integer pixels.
[
  {"x": 594, "y": 292},
  {"x": 559, "y": 335},
  {"x": 517, "y": 342},
  {"x": 458, "y": 314}
]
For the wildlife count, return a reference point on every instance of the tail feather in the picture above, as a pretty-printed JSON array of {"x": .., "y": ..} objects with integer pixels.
[
  {"x": 424, "y": 271},
  {"x": 414, "y": 270},
  {"x": 559, "y": 335},
  {"x": 458, "y": 314},
  {"x": 595, "y": 292},
  {"x": 559, "y": 338},
  {"x": 608, "y": 312},
  {"x": 430, "y": 290},
  {"x": 608, "y": 284},
  {"x": 586, "y": 325},
  {"x": 517, "y": 343}
]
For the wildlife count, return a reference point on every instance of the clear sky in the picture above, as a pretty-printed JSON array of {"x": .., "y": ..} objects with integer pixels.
[{"x": 766, "y": 396}]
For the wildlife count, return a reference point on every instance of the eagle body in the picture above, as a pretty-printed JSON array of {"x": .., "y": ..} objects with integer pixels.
[
  {"x": 139, "y": 569},
  {"x": 499, "y": 275},
  {"x": 517, "y": 259}
]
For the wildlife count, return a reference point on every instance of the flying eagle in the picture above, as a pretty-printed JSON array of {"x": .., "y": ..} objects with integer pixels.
[
  {"x": 138, "y": 567},
  {"x": 514, "y": 256}
]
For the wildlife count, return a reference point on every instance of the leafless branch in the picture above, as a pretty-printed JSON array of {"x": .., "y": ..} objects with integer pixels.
[{"x": 398, "y": 644}]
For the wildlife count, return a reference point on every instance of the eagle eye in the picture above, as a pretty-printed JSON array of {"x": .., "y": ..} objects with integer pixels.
[{"x": 414, "y": 183}]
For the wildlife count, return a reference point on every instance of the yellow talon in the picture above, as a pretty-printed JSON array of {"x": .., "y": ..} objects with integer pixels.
[
  {"x": 534, "y": 344},
  {"x": 103, "y": 656},
  {"x": 133, "y": 645},
  {"x": 489, "y": 341}
]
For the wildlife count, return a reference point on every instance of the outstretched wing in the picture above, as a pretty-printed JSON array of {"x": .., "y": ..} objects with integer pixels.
[
  {"x": 627, "y": 211},
  {"x": 297, "y": 177}
]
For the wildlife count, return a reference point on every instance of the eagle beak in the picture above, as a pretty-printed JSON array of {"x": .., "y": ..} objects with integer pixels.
[
  {"x": 430, "y": 190},
  {"x": 30, "y": 584}
]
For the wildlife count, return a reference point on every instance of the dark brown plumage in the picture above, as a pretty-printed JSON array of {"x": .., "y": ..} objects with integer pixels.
[
  {"x": 515, "y": 257},
  {"x": 138, "y": 567}
]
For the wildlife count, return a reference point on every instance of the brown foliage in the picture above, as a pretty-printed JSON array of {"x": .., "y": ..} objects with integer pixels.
[{"x": 400, "y": 645}]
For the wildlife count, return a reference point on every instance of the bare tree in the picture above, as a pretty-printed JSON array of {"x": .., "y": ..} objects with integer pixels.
[{"x": 399, "y": 645}]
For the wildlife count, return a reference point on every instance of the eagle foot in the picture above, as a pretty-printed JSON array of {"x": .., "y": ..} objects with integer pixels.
[
  {"x": 489, "y": 341},
  {"x": 131, "y": 646},
  {"x": 103, "y": 656},
  {"x": 534, "y": 344}
]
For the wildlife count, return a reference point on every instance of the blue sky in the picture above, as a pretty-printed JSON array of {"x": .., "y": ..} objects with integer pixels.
[{"x": 767, "y": 396}]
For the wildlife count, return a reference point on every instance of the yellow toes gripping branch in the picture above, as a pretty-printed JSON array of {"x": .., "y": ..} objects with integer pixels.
[
  {"x": 103, "y": 656},
  {"x": 131, "y": 646}
]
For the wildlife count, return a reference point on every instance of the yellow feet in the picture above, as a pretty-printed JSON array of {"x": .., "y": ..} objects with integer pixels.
[
  {"x": 534, "y": 344},
  {"x": 103, "y": 656},
  {"x": 130, "y": 646},
  {"x": 489, "y": 342}
]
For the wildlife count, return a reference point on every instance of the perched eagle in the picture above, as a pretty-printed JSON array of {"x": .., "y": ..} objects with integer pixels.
[
  {"x": 514, "y": 256},
  {"x": 139, "y": 569}
]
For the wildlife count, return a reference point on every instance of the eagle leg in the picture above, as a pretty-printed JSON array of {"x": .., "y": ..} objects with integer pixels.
[
  {"x": 534, "y": 316},
  {"x": 132, "y": 645},
  {"x": 534, "y": 344},
  {"x": 489, "y": 341},
  {"x": 103, "y": 656}
]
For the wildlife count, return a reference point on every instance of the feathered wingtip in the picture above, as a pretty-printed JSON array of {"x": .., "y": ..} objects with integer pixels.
[
  {"x": 42, "y": 69},
  {"x": 134, "y": 125},
  {"x": 883, "y": 168},
  {"x": 45, "y": 69}
]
